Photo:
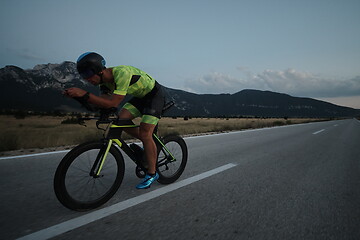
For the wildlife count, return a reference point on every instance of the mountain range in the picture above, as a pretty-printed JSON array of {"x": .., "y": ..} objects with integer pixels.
[{"x": 39, "y": 89}]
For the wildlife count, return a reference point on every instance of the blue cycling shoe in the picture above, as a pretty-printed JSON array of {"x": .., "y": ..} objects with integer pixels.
[{"x": 147, "y": 181}]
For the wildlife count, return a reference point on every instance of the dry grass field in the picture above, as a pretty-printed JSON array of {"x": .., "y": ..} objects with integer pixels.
[{"x": 46, "y": 131}]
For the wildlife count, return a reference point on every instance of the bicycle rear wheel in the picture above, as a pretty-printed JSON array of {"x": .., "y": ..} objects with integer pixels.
[
  {"x": 172, "y": 158},
  {"x": 74, "y": 184}
]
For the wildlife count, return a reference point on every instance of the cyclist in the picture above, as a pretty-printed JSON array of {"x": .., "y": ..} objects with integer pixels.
[{"x": 115, "y": 83}]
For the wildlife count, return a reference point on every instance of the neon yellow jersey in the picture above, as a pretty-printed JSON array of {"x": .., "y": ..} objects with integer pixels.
[{"x": 129, "y": 80}]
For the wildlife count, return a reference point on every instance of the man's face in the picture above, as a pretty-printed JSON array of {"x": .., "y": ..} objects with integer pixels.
[
  {"x": 94, "y": 80},
  {"x": 90, "y": 76}
]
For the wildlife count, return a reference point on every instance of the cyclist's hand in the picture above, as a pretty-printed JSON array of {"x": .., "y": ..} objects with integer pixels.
[{"x": 74, "y": 92}]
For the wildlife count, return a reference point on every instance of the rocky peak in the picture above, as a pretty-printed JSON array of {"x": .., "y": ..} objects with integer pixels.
[{"x": 63, "y": 73}]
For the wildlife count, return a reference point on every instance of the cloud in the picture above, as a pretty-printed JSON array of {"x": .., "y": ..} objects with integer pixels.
[
  {"x": 353, "y": 101},
  {"x": 307, "y": 84},
  {"x": 290, "y": 81}
]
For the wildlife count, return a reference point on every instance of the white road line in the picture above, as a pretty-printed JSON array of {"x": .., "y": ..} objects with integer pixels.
[
  {"x": 319, "y": 131},
  {"x": 118, "y": 207}
]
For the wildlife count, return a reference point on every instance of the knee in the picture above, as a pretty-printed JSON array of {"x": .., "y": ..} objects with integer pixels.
[{"x": 145, "y": 135}]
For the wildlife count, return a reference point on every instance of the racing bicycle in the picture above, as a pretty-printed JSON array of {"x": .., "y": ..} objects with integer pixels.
[{"x": 91, "y": 173}]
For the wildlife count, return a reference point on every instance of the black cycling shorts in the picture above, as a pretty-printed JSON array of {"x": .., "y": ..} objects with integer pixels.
[{"x": 149, "y": 107}]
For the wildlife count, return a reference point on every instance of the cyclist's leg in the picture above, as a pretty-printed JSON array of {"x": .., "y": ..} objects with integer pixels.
[
  {"x": 146, "y": 131},
  {"x": 151, "y": 114},
  {"x": 146, "y": 136},
  {"x": 153, "y": 105}
]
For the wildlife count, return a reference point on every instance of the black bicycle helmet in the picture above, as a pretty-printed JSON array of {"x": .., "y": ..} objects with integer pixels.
[{"x": 89, "y": 64}]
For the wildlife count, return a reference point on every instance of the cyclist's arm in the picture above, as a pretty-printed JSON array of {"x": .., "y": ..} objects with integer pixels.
[
  {"x": 109, "y": 101},
  {"x": 106, "y": 101}
]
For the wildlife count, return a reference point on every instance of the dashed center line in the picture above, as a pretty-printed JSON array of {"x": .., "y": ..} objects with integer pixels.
[{"x": 318, "y": 131}]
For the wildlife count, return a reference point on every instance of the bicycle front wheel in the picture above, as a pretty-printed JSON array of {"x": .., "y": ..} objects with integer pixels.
[
  {"x": 75, "y": 184},
  {"x": 172, "y": 158}
]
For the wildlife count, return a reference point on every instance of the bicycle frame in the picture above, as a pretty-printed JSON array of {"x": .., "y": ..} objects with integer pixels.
[{"x": 113, "y": 136}]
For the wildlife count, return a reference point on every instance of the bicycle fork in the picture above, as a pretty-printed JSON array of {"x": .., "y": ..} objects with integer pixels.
[{"x": 101, "y": 157}]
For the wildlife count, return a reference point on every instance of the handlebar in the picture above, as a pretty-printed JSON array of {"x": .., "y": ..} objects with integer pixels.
[
  {"x": 104, "y": 117},
  {"x": 104, "y": 113}
]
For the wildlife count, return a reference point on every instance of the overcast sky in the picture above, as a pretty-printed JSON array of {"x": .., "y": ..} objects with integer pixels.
[{"x": 307, "y": 48}]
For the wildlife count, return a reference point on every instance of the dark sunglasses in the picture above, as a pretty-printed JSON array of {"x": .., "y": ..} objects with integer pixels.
[{"x": 88, "y": 73}]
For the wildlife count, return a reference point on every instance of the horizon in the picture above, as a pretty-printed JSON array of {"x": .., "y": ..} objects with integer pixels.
[
  {"x": 223, "y": 93},
  {"x": 340, "y": 101}
]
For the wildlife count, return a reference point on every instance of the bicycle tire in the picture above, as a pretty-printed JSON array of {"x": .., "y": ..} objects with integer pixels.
[
  {"x": 74, "y": 170},
  {"x": 169, "y": 171}
]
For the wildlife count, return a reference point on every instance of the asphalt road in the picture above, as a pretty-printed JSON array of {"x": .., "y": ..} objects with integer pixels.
[{"x": 293, "y": 182}]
